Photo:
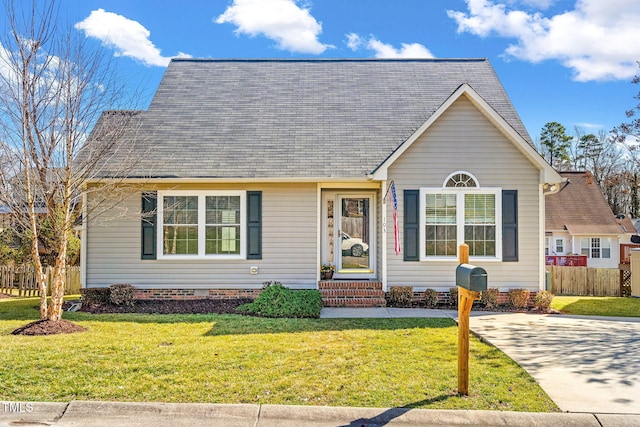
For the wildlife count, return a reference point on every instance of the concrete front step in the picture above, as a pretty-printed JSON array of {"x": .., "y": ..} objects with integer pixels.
[{"x": 338, "y": 293}]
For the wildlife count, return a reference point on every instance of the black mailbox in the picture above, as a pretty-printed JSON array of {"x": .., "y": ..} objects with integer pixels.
[{"x": 471, "y": 277}]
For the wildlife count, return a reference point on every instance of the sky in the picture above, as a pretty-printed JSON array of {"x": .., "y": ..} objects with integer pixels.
[{"x": 565, "y": 61}]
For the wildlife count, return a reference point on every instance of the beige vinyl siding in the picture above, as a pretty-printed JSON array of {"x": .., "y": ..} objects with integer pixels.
[
  {"x": 289, "y": 246},
  {"x": 463, "y": 139}
]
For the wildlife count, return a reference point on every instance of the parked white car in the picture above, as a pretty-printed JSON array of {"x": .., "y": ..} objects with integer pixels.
[{"x": 355, "y": 246}]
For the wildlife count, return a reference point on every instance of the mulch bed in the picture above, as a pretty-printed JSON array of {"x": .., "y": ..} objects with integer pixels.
[
  {"x": 48, "y": 327},
  {"x": 501, "y": 308},
  {"x": 196, "y": 306}
]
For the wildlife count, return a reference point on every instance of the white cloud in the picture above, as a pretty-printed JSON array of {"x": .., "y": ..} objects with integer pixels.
[
  {"x": 129, "y": 38},
  {"x": 598, "y": 40},
  {"x": 589, "y": 126},
  {"x": 384, "y": 50},
  {"x": 413, "y": 50},
  {"x": 354, "y": 41},
  {"x": 6, "y": 72},
  {"x": 539, "y": 4},
  {"x": 291, "y": 26}
]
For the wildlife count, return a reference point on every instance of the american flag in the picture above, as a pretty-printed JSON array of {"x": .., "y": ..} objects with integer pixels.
[{"x": 396, "y": 230}]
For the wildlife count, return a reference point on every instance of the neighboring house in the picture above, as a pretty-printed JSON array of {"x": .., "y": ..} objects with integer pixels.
[
  {"x": 579, "y": 221},
  {"x": 258, "y": 170}
]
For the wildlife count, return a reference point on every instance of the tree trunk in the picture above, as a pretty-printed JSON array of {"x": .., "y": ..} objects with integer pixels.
[
  {"x": 59, "y": 281},
  {"x": 41, "y": 277}
]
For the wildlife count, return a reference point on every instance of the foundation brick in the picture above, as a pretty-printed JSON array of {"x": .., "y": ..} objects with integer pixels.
[{"x": 193, "y": 294}]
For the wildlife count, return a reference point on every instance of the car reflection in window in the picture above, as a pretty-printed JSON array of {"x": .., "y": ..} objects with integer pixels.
[{"x": 353, "y": 245}]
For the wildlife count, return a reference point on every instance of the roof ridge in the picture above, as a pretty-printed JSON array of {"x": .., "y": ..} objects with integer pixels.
[{"x": 289, "y": 60}]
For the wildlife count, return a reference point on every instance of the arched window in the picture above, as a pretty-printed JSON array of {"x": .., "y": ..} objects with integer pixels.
[{"x": 461, "y": 179}]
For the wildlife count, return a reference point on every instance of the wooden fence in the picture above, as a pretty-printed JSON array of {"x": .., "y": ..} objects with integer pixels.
[
  {"x": 601, "y": 282},
  {"x": 21, "y": 280}
]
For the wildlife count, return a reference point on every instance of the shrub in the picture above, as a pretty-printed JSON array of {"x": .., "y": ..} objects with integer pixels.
[
  {"x": 122, "y": 294},
  {"x": 277, "y": 300},
  {"x": 519, "y": 298},
  {"x": 400, "y": 296},
  {"x": 92, "y": 296},
  {"x": 430, "y": 298},
  {"x": 453, "y": 296},
  {"x": 542, "y": 300},
  {"x": 490, "y": 298}
]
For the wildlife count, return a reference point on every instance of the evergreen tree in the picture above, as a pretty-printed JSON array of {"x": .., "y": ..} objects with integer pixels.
[{"x": 555, "y": 144}]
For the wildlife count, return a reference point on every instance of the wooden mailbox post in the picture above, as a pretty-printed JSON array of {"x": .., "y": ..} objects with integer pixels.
[{"x": 471, "y": 281}]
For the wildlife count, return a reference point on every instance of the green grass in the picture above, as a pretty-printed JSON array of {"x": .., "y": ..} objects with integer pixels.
[
  {"x": 235, "y": 359},
  {"x": 598, "y": 306}
]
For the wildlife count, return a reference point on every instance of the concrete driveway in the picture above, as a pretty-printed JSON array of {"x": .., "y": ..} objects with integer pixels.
[{"x": 585, "y": 364}]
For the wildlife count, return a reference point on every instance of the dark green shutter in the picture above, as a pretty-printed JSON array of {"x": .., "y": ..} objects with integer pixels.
[
  {"x": 509, "y": 225},
  {"x": 149, "y": 205},
  {"x": 254, "y": 224},
  {"x": 411, "y": 225}
]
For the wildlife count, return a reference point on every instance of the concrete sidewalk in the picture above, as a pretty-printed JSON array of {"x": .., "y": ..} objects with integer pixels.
[
  {"x": 108, "y": 414},
  {"x": 383, "y": 312}
]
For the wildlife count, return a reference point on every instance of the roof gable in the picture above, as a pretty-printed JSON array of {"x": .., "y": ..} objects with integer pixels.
[
  {"x": 548, "y": 174},
  {"x": 580, "y": 207},
  {"x": 300, "y": 119}
]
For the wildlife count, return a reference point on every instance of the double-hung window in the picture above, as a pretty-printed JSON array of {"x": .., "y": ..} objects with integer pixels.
[
  {"x": 461, "y": 213},
  {"x": 595, "y": 247},
  {"x": 547, "y": 243},
  {"x": 201, "y": 224}
]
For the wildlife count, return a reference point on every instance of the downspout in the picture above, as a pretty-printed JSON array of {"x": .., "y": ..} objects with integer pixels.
[
  {"x": 83, "y": 243},
  {"x": 383, "y": 239},
  {"x": 545, "y": 189}
]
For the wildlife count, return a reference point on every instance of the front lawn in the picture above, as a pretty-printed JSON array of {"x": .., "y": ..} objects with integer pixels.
[
  {"x": 236, "y": 359},
  {"x": 598, "y": 306}
]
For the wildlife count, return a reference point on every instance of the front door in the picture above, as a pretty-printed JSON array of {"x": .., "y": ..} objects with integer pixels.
[{"x": 349, "y": 227}]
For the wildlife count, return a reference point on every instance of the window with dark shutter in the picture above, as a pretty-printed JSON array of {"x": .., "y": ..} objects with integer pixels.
[
  {"x": 411, "y": 225},
  {"x": 254, "y": 224},
  {"x": 510, "y": 225},
  {"x": 148, "y": 237}
]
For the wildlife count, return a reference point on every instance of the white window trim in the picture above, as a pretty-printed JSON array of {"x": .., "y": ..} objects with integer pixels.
[
  {"x": 588, "y": 247},
  {"x": 603, "y": 247},
  {"x": 555, "y": 245},
  {"x": 608, "y": 240},
  {"x": 460, "y": 192},
  {"x": 202, "y": 224},
  {"x": 547, "y": 246},
  {"x": 452, "y": 174}
]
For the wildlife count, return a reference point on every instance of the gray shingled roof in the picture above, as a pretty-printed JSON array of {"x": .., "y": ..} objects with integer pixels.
[{"x": 296, "y": 118}]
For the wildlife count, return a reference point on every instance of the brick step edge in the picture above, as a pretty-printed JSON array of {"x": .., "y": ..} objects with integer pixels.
[
  {"x": 338, "y": 284},
  {"x": 354, "y": 302},
  {"x": 337, "y": 293}
]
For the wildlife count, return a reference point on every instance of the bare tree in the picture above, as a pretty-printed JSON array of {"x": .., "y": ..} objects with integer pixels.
[
  {"x": 628, "y": 134},
  {"x": 53, "y": 89},
  {"x": 630, "y": 131}
]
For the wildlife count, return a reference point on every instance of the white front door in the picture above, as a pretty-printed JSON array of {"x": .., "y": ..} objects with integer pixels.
[{"x": 349, "y": 234}]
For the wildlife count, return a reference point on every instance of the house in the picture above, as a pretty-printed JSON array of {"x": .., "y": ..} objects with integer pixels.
[
  {"x": 579, "y": 221},
  {"x": 258, "y": 170}
]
